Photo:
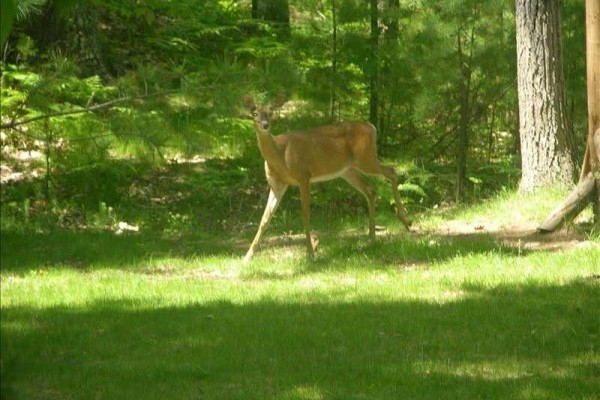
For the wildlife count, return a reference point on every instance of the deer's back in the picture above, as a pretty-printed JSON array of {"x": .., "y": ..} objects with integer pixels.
[{"x": 327, "y": 151}]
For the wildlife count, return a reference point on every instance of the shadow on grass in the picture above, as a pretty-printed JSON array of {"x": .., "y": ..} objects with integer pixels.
[
  {"x": 419, "y": 248},
  {"x": 397, "y": 250},
  {"x": 25, "y": 251},
  {"x": 511, "y": 342}
]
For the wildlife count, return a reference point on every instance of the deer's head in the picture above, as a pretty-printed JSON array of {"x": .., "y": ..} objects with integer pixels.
[{"x": 261, "y": 115}]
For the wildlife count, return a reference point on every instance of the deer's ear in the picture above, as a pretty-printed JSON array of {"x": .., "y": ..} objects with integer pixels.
[
  {"x": 279, "y": 101},
  {"x": 249, "y": 102}
]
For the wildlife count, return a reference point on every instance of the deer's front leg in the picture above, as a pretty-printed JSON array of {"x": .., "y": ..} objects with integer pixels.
[
  {"x": 305, "y": 200},
  {"x": 275, "y": 195}
]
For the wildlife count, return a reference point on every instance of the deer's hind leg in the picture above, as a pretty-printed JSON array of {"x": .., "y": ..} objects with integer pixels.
[
  {"x": 357, "y": 181},
  {"x": 304, "y": 186},
  {"x": 374, "y": 167}
]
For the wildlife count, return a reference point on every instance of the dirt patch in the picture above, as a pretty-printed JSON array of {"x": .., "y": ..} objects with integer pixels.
[
  {"x": 523, "y": 236},
  {"x": 530, "y": 239}
]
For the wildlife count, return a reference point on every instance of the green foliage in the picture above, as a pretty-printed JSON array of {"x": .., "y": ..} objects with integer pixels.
[
  {"x": 183, "y": 70},
  {"x": 412, "y": 188}
]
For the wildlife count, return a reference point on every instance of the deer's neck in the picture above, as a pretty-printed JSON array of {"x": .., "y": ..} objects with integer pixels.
[{"x": 270, "y": 151}]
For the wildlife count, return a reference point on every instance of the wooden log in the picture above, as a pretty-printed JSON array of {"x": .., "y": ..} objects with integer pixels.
[
  {"x": 597, "y": 145},
  {"x": 570, "y": 207},
  {"x": 592, "y": 53},
  {"x": 596, "y": 173},
  {"x": 592, "y": 50}
]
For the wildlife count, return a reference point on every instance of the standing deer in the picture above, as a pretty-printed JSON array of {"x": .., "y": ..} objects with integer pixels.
[{"x": 344, "y": 150}]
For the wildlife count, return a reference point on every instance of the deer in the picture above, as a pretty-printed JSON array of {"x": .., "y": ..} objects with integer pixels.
[{"x": 346, "y": 150}]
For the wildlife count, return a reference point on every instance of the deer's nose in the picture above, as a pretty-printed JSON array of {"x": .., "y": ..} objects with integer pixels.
[{"x": 264, "y": 124}]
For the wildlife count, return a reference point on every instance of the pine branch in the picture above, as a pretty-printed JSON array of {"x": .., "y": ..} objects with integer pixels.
[{"x": 96, "y": 107}]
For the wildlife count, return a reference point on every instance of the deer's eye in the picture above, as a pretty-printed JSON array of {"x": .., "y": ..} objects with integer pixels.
[{"x": 254, "y": 114}]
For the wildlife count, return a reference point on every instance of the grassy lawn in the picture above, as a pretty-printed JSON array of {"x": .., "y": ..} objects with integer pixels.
[{"x": 435, "y": 314}]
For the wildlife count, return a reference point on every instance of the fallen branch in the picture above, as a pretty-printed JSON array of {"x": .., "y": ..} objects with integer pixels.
[
  {"x": 96, "y": 107},
  {"x": 571, "y": 206}
]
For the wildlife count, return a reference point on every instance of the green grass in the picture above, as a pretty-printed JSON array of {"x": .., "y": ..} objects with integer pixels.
[
  {"x": 506, "y": 209},
  {"x": 88, "y": 314}
]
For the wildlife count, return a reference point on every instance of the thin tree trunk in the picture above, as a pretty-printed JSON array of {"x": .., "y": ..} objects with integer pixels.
[
  {"x": 592, "y": 152},
  {"x": 464, "y": 84},
  {"x": 374, "y": 65},
  {"x": 491, "y": 136},
  {"x": 546, "y": 148},
  {"x": 48, "y": 144},
  {"x": 388, "y": 54},
  {"x": 393, "y": 31},
  {"x": 332, "y": 94}
]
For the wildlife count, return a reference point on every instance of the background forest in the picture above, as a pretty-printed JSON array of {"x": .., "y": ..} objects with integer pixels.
[
  {"x": 165, "y": 81},
  {"x": 132, "y": 185}
]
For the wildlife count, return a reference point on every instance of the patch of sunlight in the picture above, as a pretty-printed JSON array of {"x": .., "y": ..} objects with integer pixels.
[
  {"x": 285, "y": 253},
  {"x": 309, "y": 283},
  {"x": 534, "y": 392},
  {"x": 10, "y": 280},
  {"x": 179, "y": 263},
  {"x": 171, "y": 272},
  {"x": 484, "y": 370},
  {"x": 326, "y": 283},
  {"x": 178, "y": 101},
  {"x": 509, "y": 208},
  {"x": 587, "y": 359},
  {"x": 304, "y": 392},
  {"x": 499, "y": 370},
  {"x": 438, "y": 297}
]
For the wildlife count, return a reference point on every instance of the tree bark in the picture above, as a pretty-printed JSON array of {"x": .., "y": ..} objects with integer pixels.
[
  {"x": 546, "y": 146},
  {"x": 83, "y": 39},
  {"x": 464, "y": 88}
]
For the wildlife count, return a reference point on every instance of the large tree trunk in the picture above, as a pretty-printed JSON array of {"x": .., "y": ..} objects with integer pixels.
[
  {"x": 84, "y": 39},
  {"x": 546, "y": 145},
  {"x": 74, "y": 32}
]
